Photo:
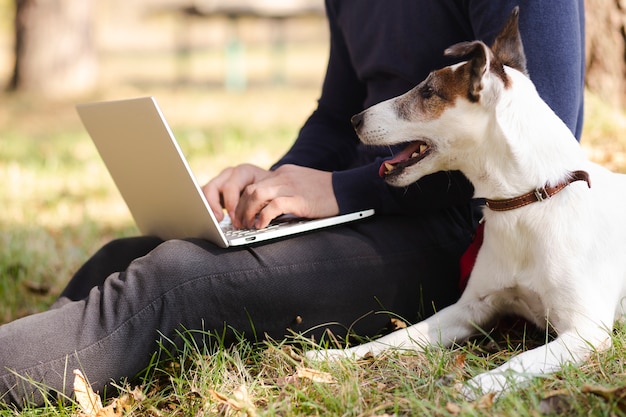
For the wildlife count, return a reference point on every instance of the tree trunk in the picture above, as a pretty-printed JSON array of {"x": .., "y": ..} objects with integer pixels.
[
  {"x": 55, "y": 53},
  {"x": 606, "y": 49}
]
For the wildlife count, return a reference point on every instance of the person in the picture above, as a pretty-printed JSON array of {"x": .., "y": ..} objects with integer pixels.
[{"x": 136, "y": 293}]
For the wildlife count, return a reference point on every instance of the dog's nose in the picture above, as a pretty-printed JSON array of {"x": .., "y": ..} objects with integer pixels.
[{"x": 357, "y": 121}]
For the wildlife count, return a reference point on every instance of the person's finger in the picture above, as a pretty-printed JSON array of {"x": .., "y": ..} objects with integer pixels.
[
  {"x": 212, "y": 192},
  {"x": 253, "y": 198}
]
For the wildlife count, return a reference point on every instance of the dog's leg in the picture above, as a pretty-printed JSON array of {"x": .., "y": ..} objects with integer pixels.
[
  {"x": 573, "y": 346},
  {"x": 456, "y": 322}
]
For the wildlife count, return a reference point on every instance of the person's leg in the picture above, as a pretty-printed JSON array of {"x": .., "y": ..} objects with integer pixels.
[
  {"x": 113, "y": 257},
  {"x": 340, "y": 275}
]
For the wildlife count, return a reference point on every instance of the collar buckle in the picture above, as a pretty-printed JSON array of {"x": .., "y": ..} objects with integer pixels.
[{"x": 542, "y": 194}]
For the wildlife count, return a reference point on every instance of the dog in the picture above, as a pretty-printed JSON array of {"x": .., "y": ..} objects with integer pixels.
[{"x": 554, "y": 234}]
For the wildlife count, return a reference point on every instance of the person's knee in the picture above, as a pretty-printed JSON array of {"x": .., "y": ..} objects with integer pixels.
[
  {"x": 176, "y": 257},
  {"x": 136, "y": 245}
]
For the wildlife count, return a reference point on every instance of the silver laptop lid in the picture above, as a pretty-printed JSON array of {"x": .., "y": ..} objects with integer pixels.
[{"x": 149, "y": 169}]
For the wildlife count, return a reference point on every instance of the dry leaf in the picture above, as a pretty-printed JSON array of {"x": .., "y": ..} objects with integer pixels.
[
  {"x": 241, "y": 395},
  {"x": 486, "y": 401},
  {"x": 218, "y": 396},
  {"x": 617, "y": 395},
  {"x": 291, "y": 353},
  {"x": 138, "y": 394},
  {"x": 453, "y": 408},
  {"x": 607, "y": 393},
  {"x": 459, "y": 360},
  {"x": 110, "y": 410},
  {"x": 315, "y": 376},
  {"x": 88, "y": 400},
  {"x": 241, "y": 402},
  {"x": 288, "y": 380}
]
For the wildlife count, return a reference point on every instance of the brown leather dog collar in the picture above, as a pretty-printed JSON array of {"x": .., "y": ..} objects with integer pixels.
[{"x": 538, "y": 194}]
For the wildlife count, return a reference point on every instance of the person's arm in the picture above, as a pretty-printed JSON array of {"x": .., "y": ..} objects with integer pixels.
[{"x": 327, "y": 142}]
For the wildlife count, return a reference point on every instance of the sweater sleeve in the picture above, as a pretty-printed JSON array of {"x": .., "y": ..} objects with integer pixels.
[{"x": 328, "y": 142}]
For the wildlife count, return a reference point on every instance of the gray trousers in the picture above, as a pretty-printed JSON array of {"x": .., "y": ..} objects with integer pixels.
[{"x": 135, "y": 293}]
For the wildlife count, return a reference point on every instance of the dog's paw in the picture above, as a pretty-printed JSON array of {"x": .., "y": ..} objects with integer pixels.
[
  {"x": 487, "y": 383},
  {"x": 324, "y": 355},
  {"x": 469, "y": 391}
]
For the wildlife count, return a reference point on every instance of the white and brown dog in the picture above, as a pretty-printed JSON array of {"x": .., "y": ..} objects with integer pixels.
[{"x": 554, "y": 237}]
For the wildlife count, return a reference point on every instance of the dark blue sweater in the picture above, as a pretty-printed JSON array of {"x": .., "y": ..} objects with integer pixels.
[{"x": 383, "y": 48}]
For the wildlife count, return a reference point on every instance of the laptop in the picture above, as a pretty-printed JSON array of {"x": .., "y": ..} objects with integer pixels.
[{"x": 154, "y": 178}]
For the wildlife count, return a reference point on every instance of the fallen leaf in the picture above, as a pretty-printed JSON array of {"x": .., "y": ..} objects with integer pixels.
[
  {"x": 315, "y": 376},
  {"x": 138, "y": 394},
  {"x": 240, "y": 403},
  {"x": 88, "y": 400},
  {"x": 306, "y": 374},
  {"x": 453, "y": 408},
  {"x": 288, "y": 380},
  {"x": 218, "y": 396},
  {"x": 111, "y": 410},
  {"x": 292, "y": 353},
  {"x": 617, "y": 395},
  {"x": 241, "y": 395},
  {"x": 459, "y": 360},
  {"x": 486, "y": 401},
  {"x": 607, "y": 393}
]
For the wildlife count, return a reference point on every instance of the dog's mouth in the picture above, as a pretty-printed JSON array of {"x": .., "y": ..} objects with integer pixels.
[{"x": 412, "y": 154}]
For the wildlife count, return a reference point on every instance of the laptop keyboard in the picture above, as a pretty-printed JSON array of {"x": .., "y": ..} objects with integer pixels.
[{"x": 230, "y": 231}]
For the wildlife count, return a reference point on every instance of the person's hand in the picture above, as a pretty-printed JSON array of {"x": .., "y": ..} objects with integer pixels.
[
  {"x": 303, "y": 192},
  {"x": 253, "y": 196},
  {"x": 223, "y": 191}
]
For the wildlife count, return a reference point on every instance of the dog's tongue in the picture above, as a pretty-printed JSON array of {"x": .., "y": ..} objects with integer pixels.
[{"x": 405, "y": 154}]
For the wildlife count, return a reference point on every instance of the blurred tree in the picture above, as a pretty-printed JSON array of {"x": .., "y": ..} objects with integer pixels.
[
  {"x": 606, "y": 49},
  {"x": 55, "y": 53}
]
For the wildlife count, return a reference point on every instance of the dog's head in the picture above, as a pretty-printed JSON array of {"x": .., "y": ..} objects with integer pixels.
[{"x": 448, "y": 113}]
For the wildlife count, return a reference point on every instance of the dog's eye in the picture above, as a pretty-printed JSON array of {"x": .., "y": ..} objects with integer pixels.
[{"x": 426, "y": 92}]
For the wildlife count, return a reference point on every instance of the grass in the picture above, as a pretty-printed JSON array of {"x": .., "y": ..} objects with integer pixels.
[
  {"x": 272, "y": 380},
  {"x": 58, "y": 205}
]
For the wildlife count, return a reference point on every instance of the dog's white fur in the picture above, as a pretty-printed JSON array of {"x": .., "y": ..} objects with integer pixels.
[{"x": 558, "y": 262}]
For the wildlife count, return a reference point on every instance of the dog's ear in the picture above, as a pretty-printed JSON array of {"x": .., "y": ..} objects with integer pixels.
[
  {"x": 508, "y": 46},
  {"x": 479, "y": 62},
  {"x": 507, "y": 50}
]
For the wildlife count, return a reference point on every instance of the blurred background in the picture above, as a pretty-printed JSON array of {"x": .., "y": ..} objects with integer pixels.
[{"x": 235, "y": 79}]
